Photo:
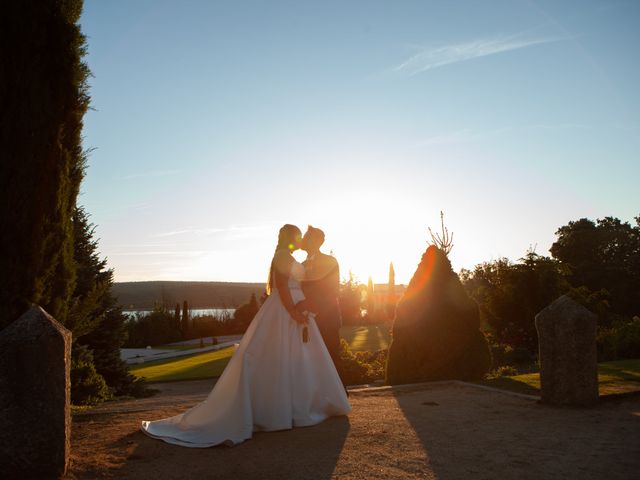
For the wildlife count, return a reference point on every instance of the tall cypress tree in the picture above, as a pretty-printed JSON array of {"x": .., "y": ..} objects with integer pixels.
[{"x": 43, "y": 97}]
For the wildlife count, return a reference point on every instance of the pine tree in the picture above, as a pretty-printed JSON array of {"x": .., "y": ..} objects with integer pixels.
[
  {"x": 96, "y": 320},
  {"x": 44, "y": 95}
]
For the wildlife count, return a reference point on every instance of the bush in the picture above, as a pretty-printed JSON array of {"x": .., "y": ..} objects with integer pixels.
[
  {"x": 157, "y": 328},
  {"x": 436, "y": 332},
  {"x": 622, "y": 340},
  {"x": 87, "y": 385},
  {"x": 361, "y": 367},
  {"x": 505, "y": 371}
]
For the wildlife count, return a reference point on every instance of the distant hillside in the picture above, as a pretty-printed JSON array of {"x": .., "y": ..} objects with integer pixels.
[{"x": 143, "y": 295}]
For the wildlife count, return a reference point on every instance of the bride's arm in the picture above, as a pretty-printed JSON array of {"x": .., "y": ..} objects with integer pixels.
[{"x": 282, "y": 284}]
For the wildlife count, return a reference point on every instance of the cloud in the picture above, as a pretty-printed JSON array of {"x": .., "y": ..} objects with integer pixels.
[
  {"x": 432, "y": 57},
  {"x": 469, "y": 135},
  {"x": 241, "y": 229},
  {"x": 159, "y": 173}
]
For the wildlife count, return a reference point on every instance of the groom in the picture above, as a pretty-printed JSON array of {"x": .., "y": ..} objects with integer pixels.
[{"x": 321, "y": 291}]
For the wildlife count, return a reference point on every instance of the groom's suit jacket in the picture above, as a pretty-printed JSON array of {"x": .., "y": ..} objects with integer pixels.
[{"x": 322, "y": 295}]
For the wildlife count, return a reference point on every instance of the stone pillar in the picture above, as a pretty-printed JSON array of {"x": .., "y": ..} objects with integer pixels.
[
  {"x": 568, "y": 355},
  {"x": 35, "y": 421}
]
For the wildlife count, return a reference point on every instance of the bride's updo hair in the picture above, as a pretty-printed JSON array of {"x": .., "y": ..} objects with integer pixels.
[{"x": 288, "y": 237}]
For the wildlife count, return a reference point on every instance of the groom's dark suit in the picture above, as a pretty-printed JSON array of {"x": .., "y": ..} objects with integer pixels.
[{"x": 322, "y": 295}]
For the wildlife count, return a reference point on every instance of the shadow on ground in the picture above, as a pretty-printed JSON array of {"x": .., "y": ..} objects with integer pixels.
[
  {"x": 303, "y": 453},
  {"x": 473, "y": 434}
]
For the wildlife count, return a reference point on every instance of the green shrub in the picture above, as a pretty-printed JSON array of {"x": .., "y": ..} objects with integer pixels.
[
  {"x": 621, "y": 340},
  {"x": 87, "y": 385},
  {"x": 436, "y": 333},
  {"x": 361, "y": 367},
  {"x": 505, "y": 371}
]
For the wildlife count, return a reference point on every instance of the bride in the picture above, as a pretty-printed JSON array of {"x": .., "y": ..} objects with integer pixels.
[{"x": 281, "y": 376}]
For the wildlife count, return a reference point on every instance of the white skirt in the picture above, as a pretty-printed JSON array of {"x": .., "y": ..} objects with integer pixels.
[{"x": 274, "y": 381}]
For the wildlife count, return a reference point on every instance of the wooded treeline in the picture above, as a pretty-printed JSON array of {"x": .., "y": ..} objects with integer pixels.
[{"x": 595, "y": 262}]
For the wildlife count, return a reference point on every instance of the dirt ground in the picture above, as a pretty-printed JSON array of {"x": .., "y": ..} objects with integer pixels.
[{"x": 439, "y": 431}]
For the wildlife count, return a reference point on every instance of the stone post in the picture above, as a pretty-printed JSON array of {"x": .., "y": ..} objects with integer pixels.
[
  {"x": 35, "y": 421},
  {"x": 568, "y": 355}
]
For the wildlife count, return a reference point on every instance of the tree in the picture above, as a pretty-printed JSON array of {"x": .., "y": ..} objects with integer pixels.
[
  {"x": 350, "y": 300},
  {"x": 97, "y": 323},
  {"x": 435, "y": 333},
  {"x": 176, "y": 316},
  {"x": 371, "y": 301},
  {"x": 511, "y": 295},
  {"x": 391, "y": 292},
  {"x": 602, "y": 255},
  {"x": 186, "y": 319},
  {"x": 44, "y": 97},
  {"x": 244, "y": 314}
]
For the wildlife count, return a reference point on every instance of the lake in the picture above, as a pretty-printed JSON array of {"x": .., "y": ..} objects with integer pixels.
[{"x": 196, "y": 312}]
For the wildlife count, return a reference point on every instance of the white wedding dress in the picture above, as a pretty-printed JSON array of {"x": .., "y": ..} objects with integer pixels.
[{"x": 274, "y": 381}]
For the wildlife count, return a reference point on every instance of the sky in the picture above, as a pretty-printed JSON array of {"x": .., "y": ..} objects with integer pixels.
[{"x": 213, "y": 123}]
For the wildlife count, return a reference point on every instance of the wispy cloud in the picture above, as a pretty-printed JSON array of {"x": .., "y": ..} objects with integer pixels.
[
  {"x": 242, "y": 228},
  {"x": 159, "y": 173},
  {"x": 432, "y": 57},
  {"x": 469, "y": 135}
]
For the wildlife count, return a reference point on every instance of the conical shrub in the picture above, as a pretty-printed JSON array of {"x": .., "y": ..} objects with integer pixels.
[{"x": 436, "y": 329}]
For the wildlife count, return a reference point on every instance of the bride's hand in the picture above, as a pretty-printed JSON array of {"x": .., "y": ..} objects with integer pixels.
[{"x": 299, "y": 317}]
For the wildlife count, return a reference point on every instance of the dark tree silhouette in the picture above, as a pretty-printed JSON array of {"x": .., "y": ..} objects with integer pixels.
[
  {"x": 391, "y": 293},
  {"x": 186, "y": 320},
  {"x": 244, "y": 314},
  {"x": 43, "y": 97},
  {"x": 436, "y": 332},
  {"x": 510, "y": 295},
  {"x": 602, "y": 255}
]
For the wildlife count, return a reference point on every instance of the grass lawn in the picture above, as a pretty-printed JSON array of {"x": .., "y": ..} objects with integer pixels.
[
  {"x": 190, "y": 367},
  {"x": 621, "y": 376},
  {"x": 369, "y": 338},
  {"x": 182, "y": 347},
  {"x": 211, "y": 364}
]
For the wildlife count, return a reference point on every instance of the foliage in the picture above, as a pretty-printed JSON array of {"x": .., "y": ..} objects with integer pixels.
[
  {"x": 157, "y": 327},
  {"x": 511, "y": 295},
  {"x": 350, "y": 298},
  {"x": 436, "y": 332},
  {"x": 505, "y": 371},
  {"x": 603, "y": 255},
  {"x": 244, "y": 314},
  {"x": 361, "y": 367},
  {"x": 87, "y": 385},
  {"x": 184, "y": 324},
  {"x": 95, "y": 319},
  {"x": 621, "y": 340},
  {"x": 162, "y": 326},
  {"x": 42, "y": 161}
]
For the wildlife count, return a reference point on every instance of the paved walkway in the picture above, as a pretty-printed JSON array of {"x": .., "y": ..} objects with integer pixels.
[{"x": 430, "y": 431}]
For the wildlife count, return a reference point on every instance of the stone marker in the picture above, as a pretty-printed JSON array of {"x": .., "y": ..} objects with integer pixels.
[
  {"x": 35, "y": 422},
  {"x": 568, "y": 355}
]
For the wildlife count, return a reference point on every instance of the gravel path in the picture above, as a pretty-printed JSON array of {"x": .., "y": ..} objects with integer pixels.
[{"x": 439, "y": 431}]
